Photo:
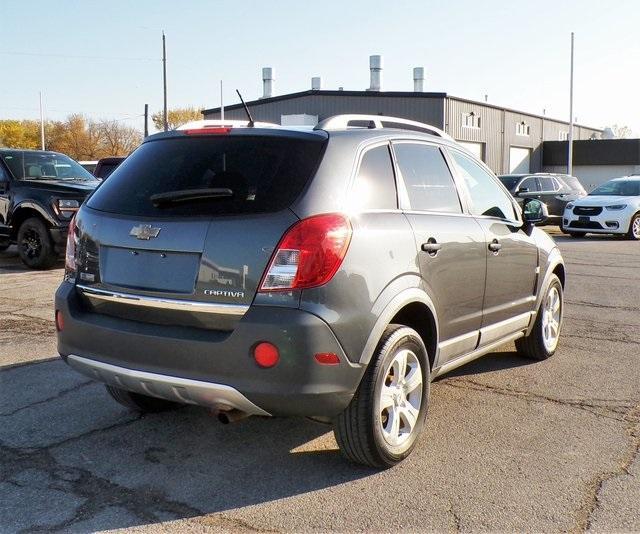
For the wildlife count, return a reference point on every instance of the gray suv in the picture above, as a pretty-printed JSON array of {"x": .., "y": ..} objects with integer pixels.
[{"x": 331, "y": 273}]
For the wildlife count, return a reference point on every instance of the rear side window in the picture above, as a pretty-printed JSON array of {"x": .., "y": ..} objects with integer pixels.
[
  {"x": 375, "y": 187},
  {"x": 547, "y": 184},
  {"x": 427, "y": 179},
  {"x": 262, "y": 173}
]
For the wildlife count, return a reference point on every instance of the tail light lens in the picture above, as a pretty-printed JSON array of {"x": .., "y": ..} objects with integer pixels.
[
  {"x": 309, "y": 254},
  {"x": 70, "y": 255}
]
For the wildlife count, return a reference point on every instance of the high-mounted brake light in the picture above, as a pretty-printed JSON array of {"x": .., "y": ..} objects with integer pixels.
[
  {"x": 309, "y": 253},
  {"x": 207, "y": 131},
  {"x": 70, "y": 254}
]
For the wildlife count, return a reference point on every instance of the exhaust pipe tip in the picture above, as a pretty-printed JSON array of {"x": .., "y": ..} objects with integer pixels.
[{"x": 230, "y": 416}]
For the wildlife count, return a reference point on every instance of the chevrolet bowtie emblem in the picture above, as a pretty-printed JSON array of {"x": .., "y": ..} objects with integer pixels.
[{"x": 144, "y": 231}]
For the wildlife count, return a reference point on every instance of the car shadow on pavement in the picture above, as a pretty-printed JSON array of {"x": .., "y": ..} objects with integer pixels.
[
  {"x": 10, "y": 262},
  {"x": 489, "y": 363},
  {"x": 72, "y": 446}
]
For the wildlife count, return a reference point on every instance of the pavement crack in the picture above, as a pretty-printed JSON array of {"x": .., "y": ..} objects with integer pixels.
[
  {"x": 607, "y": 408},
  {"x": 600, "y": 305},
  {"x": 592, "y": 498},
  {"x": 59, "y": 395},
  {"x": 455, "y": 516}
]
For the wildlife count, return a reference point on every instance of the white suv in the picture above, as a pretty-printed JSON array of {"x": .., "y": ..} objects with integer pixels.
[{"x": 612, "y": 208}]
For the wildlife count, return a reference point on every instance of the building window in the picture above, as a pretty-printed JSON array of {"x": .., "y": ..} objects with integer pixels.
[
  {"x": 522, "y": 128},
  {"x": 563, "y": 136},
  {"x": 470, "y": 120}
]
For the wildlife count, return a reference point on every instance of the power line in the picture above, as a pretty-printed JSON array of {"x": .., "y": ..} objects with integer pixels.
[
  {"x": 64, "y": 56},
  {"x": 55, "y": 110}
]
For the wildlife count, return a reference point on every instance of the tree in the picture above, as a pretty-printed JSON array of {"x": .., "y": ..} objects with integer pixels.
[
  {"x": 176, "y": 117},
  {"x": 20, "y": 134},
  {"x": 118, "y": 139}
]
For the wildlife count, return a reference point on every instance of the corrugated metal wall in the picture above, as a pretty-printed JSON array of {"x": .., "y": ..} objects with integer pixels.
[
  {"x": 498, "y": 129},
  {"x": 428, "y": 110}
]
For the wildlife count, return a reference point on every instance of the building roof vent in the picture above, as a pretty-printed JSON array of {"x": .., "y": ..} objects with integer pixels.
[
  {"x": 316, "y": 83},
  {"x": 375, "y": 69},
  {"x": 418, "y": 79},
  {"x": 267, "y": 82}
]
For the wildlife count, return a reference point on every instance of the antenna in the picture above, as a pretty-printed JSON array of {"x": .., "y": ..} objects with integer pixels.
[{"x": 246, "y": 109}]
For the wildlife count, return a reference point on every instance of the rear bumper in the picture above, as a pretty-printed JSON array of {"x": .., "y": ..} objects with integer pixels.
[{"x": 216, "y": 360}]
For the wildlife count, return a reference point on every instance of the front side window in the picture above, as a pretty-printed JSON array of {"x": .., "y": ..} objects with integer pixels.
[
  {"x": 427, "y": 179},
  {"x": 487, "y": 197},
  {"x": 529, "y": 184},
  {"x": 375, "y": 186}
]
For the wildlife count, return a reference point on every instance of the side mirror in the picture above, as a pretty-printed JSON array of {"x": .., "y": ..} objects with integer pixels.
[
  {"x": 534, "y": 211},
  {"x": 522, "y": 190}
]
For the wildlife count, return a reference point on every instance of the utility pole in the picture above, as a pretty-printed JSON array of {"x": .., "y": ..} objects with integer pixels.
[
  {"x": 41, "y": 123},
  {"x": 221, "y": 103},
  {"x": 570, "y": 151},
  {"x": 146, "y": 120},
  {"x": 164, "y": 81}
]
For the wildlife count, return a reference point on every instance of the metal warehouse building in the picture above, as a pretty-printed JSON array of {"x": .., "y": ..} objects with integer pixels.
[{"x": 505, "y": 139}]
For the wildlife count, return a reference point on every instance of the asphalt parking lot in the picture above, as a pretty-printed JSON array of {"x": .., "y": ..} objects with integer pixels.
[{"x": 509, "y": 445}]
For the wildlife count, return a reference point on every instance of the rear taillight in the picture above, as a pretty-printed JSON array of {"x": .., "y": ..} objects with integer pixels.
[
  {"x": 70, "y": 255},
  {"x": 309, "y": 254}
]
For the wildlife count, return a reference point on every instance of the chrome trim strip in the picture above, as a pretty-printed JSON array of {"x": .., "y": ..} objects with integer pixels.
[
  {"x": 450, "y": 366},
  {"x": 182, "y": 390},
  {"x": 493, "y": 332},
  {"x": 163, "y": 303}
]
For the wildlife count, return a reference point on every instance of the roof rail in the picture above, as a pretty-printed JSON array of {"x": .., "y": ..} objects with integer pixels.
[
  {"x": 341, "y": 122},
  {"x": 216, "y": 123}
]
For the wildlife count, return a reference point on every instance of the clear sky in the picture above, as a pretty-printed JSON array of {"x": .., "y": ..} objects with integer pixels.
[{"x": 102, "y": 58}]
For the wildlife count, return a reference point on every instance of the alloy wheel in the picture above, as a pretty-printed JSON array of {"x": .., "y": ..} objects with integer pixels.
[
  {"x": 401, "y": 397},
  {"x": 551, "y": 319}
]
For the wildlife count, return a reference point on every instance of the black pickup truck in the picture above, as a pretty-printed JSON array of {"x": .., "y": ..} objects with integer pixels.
[{"x": 39, "y": 193}]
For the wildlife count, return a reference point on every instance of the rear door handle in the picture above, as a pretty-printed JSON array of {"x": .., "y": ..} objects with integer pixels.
[
  {"x": 494, "y": 246},
  {"x": 431, "y": 246}
]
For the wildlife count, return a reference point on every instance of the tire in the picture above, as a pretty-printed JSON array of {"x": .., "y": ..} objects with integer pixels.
[
  {"x": 4, "y": 246},
  {"x": 35, "y": 246},
  {"x": 140, "y": 403},
  {"x": 362, "y": 429},
  {"x": 634, "y": 228},
  {"x": 538, "y": 345},
  {"x": 577, "y": 234}
]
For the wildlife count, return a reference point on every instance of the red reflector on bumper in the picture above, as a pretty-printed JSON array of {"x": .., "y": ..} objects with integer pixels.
[
  {"x": 59, "y": 321},
  {"x": 327, "y": 358},
  {"x": 266, "y": 354}
]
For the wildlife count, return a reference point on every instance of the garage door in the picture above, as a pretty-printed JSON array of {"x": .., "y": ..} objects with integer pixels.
[
  {"x": 477, "y": 149},
  {"x": 519, "y": 160}
]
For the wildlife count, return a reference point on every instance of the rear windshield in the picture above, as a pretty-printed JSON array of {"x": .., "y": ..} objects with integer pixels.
[
  {"x": 264, "y": 174},
  {"x": 573, "y": 183}
]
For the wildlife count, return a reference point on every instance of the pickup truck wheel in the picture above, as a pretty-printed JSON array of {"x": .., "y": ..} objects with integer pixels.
[
  {"x": 140, "y": 403},
  {"x": 542, "y": 342},
  {"x": 35, "y": 246},
  {"x": 380, "y": 426}
]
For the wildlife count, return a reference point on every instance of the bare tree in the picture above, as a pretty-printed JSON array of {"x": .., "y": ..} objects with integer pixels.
[
  {"x": 621, "y": 132},
  {"x": 117, "y": 139}
]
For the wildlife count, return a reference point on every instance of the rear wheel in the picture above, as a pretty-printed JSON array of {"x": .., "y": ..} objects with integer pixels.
[
  {"x": 380, "y": 426},
  {"x": 634, "y": 227},
  {"x": 542, "y": 342},
  {"x": 35, "y": 245},
  {"x": 140, "y": 403}
]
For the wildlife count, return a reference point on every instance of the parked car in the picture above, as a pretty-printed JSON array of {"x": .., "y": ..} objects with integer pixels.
[
  {"x": 612, "y": 208},
  {"x": 555, "y": 190},
  {"x": 329, "y": 273},
  {"x": 106, "y": 166},
  {"x": 39, "y": 194}
]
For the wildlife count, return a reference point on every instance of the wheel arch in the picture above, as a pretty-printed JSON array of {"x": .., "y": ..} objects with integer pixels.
[
  {"x": 413, "y": 308},
  {"x": 25, "y": 211}
]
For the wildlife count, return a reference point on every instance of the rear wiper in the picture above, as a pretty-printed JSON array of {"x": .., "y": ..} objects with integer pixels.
[{"x": 188, "y": 195}]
